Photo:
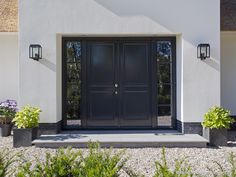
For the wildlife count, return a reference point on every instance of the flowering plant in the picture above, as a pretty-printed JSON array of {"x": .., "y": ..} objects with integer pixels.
[{"x": 8, "y": 110}]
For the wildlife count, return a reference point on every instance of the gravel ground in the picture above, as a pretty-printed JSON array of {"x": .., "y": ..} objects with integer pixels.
[{"x": 142, "y": 160}]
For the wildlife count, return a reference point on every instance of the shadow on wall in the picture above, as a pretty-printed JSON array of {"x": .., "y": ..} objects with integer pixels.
[
  {"x": 213, "y": 63},
  {"x": 175, "y": 21},
  {"x": 153, "y": 9},
  {"x": 48, "y": 64}
]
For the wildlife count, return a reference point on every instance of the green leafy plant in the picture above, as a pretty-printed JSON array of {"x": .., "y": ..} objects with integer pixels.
[
  {"x": 62, "y": 164},
  {"x": 101, "y": 162},
  {"x": 72, "y": 163},
  {"x": 7, "y": 159},
  {"x": 181, "y": 169},
  {"x": 217, "y": 117},
  {"x": 224, "y": 172},
  {"x": 28, "y": 117}
]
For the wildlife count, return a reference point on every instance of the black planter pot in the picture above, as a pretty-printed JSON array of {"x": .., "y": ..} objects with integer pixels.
[
  {"x": 24, "y": 137},
  {"x": 5, "y": 130},
  {"x": 216, "y": 137}
]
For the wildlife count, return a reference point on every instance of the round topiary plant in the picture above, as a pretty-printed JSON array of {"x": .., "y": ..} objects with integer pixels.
[
  {"x": 217, "y": 118},
  {"x": 28, "y": 117}
]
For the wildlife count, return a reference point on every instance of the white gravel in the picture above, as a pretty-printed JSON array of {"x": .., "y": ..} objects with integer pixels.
[{"x": 142, "y": 160}]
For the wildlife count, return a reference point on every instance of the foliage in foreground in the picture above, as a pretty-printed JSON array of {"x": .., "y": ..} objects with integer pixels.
[
  {"x": 224, "y": 172},
  {"x": 7, "y": 158},
  {"x": 181, "y": 168},
  {"x": 97, "y": 163},
  {"x": 69, "y": 163}
]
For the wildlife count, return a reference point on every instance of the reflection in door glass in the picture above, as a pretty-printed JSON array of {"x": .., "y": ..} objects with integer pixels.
[
  {"x": 73, "y": 83},
  {"x": 164, "y": 83}
]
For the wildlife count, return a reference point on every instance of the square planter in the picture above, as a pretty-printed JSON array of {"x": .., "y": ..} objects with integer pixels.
[
  {"x": 5, "y": 130},
  {"x": 216, "y": 137},
  {"x": 24, "y": 137}
]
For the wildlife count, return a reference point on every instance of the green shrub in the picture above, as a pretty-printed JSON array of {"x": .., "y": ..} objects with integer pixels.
[
  {"x": 28, "y": 117},
  {"x": 224, "y": 172},
  {"x": 7, "y": 158},
  {"x": 217, "y": 117},
  {"x": 101, "y": 162},
  {"x": 69, "y": 163},
  {"x": 62, "y": 164},
  {"x": 181, "y": 168}
]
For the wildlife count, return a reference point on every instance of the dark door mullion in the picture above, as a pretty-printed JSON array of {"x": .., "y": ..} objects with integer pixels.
[
  {"x": 153, "y": 84},
  {"x": 116, "y": 81},
  {"x": 174, "y": 89},
  {"x": 120, "y": 80},
  {"x": 83, "y": 84}
]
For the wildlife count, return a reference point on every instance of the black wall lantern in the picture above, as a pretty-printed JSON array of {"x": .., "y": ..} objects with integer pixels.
[
  {"x": 35, "y": 51},
  {"x": 203, "y": 51}
]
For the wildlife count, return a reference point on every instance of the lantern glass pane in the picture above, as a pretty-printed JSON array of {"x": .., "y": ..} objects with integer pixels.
[
  {"x": 198, "y": 51},
  {"x": 204, "y": 51},
  {"x": 208, "y": 51},
  {"x": 31, "y": 52},
  {"x": 35, "y": 52},
  {"x": 40, "y": 52}
]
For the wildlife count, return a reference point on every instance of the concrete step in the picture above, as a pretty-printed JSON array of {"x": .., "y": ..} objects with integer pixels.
[{"x": 121, "y": 139}]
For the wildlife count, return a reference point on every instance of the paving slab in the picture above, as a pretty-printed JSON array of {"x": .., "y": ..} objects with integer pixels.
[{"x": 121, "y": 139}]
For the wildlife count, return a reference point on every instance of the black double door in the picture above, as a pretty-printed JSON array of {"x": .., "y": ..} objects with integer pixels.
[{"x": 118, "y": 84}]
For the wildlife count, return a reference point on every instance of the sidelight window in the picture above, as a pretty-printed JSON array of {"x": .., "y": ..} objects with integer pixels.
[
  {"x": 72, "y": 82},
  {"x": 165, "y": 83}
]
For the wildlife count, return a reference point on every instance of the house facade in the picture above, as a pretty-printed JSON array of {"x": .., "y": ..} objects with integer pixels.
[{"x": 126, "y": 64}]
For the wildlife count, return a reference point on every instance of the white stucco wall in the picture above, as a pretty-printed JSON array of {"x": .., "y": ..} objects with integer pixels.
[
  {"x": 9, "y": 69},
  {"x": 228, "y": 71},
  {"x": 192, "y": 21}
]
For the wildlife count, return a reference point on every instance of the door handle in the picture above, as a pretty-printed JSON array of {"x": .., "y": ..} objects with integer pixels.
[
  {"x": 116, "y": 92},
  {"x": 116, "y": 85}
]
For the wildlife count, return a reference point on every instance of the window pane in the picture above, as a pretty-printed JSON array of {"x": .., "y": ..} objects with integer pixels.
[
  {"x": 164, "y": 73},
  {"x": 164, "y": 51},
  {"x": 72, "y": 109},
  {"x": 73, "y": 72},
  {"x": 73, "y": 81},
  {"x": 73, "y": 51},
  {"x": 164, "y": 116},
  {"x": 164, "y": 94}
]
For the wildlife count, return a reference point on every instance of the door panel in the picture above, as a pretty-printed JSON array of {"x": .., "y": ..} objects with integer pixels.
[
  {"x": 101, "y": 76},
  {"x": 102, "y": 64},
  {"x": 101, "y": 105},
  {"x": 135, "y": 101},
  {"x": 135, "y": 64},
  {"x": 135, "y": 105}
]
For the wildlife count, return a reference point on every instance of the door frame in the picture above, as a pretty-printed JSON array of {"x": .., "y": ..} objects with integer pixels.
[{"x": 153, "y": 87}]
